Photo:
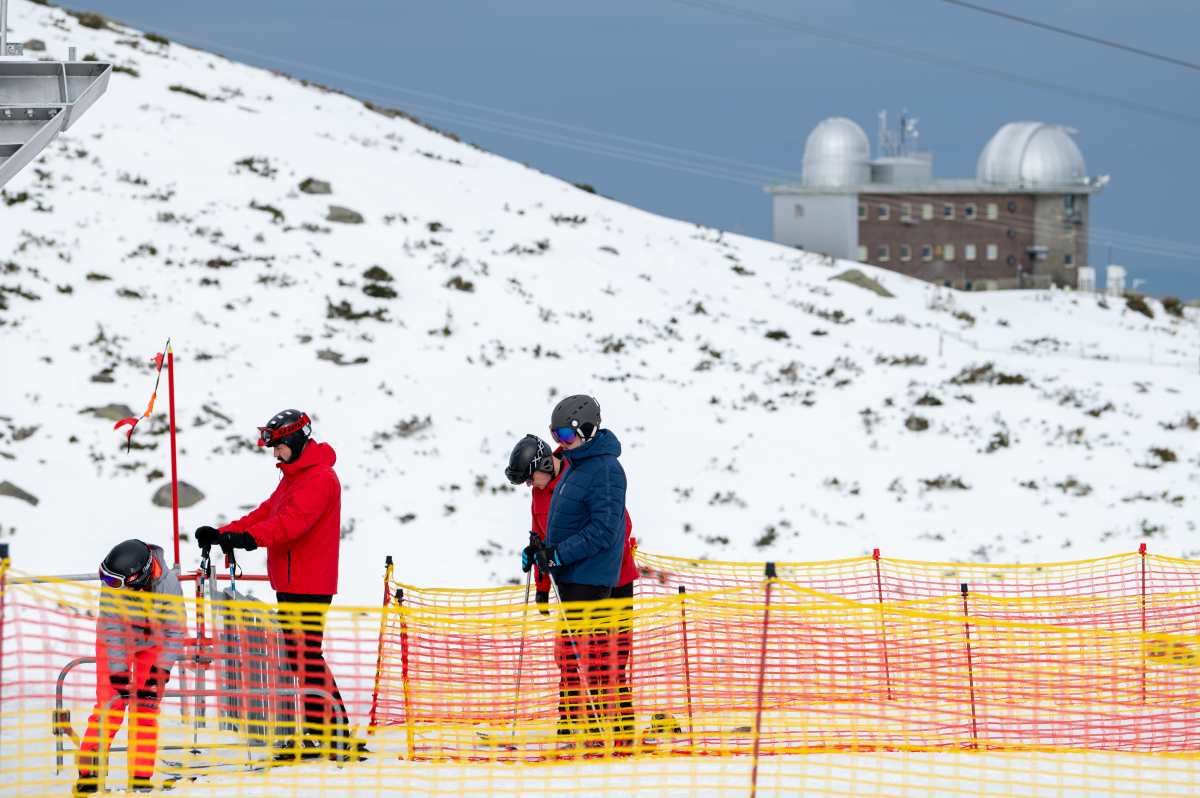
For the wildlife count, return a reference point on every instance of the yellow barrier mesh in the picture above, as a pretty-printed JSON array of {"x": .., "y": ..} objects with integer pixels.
[{"x": 859, "y": 677}]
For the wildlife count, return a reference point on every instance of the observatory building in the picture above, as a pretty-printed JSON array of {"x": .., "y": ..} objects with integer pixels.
[{"x": 1021, "y": 222}]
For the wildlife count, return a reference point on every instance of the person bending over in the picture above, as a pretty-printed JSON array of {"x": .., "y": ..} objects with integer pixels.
[{"x": 139, "y": 637}]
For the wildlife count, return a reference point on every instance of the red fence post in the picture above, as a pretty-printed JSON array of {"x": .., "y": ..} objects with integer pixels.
[
  {"x": 970, "y": 666},
  {"x": 174, "y": 470},
  {"x": 687, "y": 668},
  {"x": 887, "y": 667},
  {"x": 387, "y": 595},
  {"x": 409, "y": 723},
  {"x": 762, "y": 674},
  {"x": 1142, "y": 552},
  {"x": 3, "y": 580}
]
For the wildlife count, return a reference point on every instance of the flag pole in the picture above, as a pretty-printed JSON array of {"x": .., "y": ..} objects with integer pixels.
[{"x": 174, "y": 469}]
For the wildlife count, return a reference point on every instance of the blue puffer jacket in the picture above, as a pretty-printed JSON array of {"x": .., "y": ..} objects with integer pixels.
[{"x": 586, "y": 522}]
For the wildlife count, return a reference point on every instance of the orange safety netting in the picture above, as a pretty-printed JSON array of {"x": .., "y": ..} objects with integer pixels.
[{"x": 857, "y": 676}]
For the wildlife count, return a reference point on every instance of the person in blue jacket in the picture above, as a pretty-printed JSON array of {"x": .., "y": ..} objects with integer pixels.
[{"x": 584, "y": 545}]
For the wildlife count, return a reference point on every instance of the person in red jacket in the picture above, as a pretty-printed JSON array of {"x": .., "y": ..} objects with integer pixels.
[
  {"x": 533, "y": 463},
  {"x": 300, "y": 524}
]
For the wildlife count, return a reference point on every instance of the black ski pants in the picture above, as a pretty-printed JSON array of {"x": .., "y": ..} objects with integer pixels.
[{"x": 303, "y": 637}]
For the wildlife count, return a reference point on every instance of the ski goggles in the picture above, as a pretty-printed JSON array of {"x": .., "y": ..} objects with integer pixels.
[
  {"x": 544, "y": 464},
  {"x": 564, "y": 435},
  {"x": 266, "y": 435},
  {"x": 117, "y": 581}
]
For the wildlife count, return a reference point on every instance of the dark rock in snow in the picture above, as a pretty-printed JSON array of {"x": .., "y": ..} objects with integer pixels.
[
  {"x": 113, "y": 412},
  {"x": 338, "y": 358},
  {"x": 856, "y": 277},
  {"x": 344, "y": 215},
  {"x": 35, "y": 45},
  {"x": 9, "y": 489},
  {"x": 102, "y": 377},
  {"x": 314, "y": 186},
  {"x": 188, "y": 495}
]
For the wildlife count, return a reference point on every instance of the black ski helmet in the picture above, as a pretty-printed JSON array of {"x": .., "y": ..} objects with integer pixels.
[
  {"x": 531, "y": 454},
  {"x": 579, "y": 413},
  {"x": 290, "y": 428},
  {"x": 129, "y": 564}
]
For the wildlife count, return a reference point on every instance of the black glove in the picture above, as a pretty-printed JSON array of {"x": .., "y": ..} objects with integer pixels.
[
  {"x": 153, "y": 688},
  {"x": 542, "y": 599},
  {"x": 120, "y": 683},
  {"x": 206, "y": 536},
  {"x": 237, "y": 540},
  {"x": 547, "y": 559}
]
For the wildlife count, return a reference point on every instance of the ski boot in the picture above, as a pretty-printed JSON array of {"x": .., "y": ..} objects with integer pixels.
[
  {"x": 87, "y": 784},
  {"x": 140, "y": 784},
  {"x": 309, "y": 750}
]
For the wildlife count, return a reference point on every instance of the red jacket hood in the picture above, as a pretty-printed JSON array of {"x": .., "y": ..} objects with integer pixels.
[{"x": 314, "y": 454}]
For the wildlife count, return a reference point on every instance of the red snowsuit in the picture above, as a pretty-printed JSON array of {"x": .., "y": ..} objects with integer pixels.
[
  {"x": 300, "y": 524},
  {"x": 594, "y": 648},
  {"x": 134, "y": 632}
]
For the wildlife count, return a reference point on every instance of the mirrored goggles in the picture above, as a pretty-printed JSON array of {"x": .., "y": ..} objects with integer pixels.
[
  {"x": 109, "y": 579},
  {"x": 563, "y": 435}
]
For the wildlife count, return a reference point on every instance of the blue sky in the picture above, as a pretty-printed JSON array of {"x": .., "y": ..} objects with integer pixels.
[{"x": 674, "y": 75}]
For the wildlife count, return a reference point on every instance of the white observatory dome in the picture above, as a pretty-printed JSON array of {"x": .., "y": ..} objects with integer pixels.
[
  {"x": 1031, "y": 154},
  {"x": 837, "y": 153}
]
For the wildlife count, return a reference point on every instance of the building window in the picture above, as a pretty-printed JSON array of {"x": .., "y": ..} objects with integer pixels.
[
  {"x": 1069, "y": 202},
  {"x": 969, "y": 211},
  {"x": 862, "y": 253},
  {"x": 948, "y": 251},
  {"x": 799, "y": 211},
  {"x": 926, "y": 252},
  {"x": 884, "y": 212},
  {"x": 993, "y": 210},
  {"x": 969, "y": 252},
  {"x": 883, "y": 252},
  {"x": 1011, "y": 260},
  {"x": 906, "y": 210},
  {"x": 905, "y": 252},
  {"x": 1068, "y": 259},
  {"x": 1012, "y": 233},
  {"x": 862, "y": 211},
  {"x": 1012, "y": 207},
  {"x": 993, "y": 252},
  {"x": 948, "y": 210},
  {"x": 927, "y": 210}
]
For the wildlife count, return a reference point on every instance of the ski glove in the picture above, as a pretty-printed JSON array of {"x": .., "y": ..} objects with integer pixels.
[
  {"x": 120, "y": 683},
  {"x": 153, "y": 688},
  {"x": 528, "y": 556},
  {"x": 542, "y": 599},
  {"x": 547, "y": 559},
  {"x": 206, "y": 536},
  {"x": 237, "y": 540}
]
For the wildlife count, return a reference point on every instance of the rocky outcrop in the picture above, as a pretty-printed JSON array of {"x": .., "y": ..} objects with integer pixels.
[
  {"x": 9, "y": 489},
  {"x": 314, "y": 186},
  {"x": 188, "y": 495},
  {"x": 344, "y": 215}
]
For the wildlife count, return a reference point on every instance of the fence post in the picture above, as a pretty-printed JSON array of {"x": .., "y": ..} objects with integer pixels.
[
  {"x": 3, "y": 580},
  {"x": 387, "y": 595},
  {"x": 408, "y": 711},
  {"x": 762, "y": 674},
  {"x": 1142, "y": 590},
  {"x": 887, "y": 667},
  {"x": 970, "y": 666},
  {"x": 687, "y": 668}
]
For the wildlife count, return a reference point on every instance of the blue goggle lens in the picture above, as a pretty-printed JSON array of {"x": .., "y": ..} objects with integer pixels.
[{"x": 563, "y": 435}]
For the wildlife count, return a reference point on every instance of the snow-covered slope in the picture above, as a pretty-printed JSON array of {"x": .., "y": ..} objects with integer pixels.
[{"x": 765, "y": 410}]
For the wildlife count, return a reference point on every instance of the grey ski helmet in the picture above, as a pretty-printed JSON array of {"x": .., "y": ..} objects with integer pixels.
[
  {"x": 290, "y": 428},
  {"x": 577, "y": 415}
]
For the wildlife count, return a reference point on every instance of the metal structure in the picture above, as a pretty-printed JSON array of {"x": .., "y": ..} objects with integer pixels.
[
  {"x": 1032, "y": 155},
  {"x": 40, "y": 99}
]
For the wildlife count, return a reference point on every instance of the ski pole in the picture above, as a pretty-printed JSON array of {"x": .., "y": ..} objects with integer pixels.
[
  {"x": 593, "y": 708},
  {"x": 231, "y": 564},
  {"x": 533, "y": 541}
]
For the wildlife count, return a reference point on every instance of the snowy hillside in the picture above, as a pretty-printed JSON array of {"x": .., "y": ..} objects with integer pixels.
[{"x": 766, "y": 411}]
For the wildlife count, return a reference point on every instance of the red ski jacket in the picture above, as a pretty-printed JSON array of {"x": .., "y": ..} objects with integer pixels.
[
  {"x": 300, "y": 524},
  {"x": 541, "y": 508}
]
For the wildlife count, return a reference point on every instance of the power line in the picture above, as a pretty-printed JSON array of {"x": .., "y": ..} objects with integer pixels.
[
  {"x": 1077, "y": 35},
  {"x": 755, "y": 174},
  {"x": 929, "y": 58}
]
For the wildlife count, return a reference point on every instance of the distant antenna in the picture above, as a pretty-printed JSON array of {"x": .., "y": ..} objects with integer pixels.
[{"x": 896, "y": 142}]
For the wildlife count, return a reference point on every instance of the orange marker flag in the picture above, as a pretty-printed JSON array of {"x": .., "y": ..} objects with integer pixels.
[{"x": 132, "y": 423}]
